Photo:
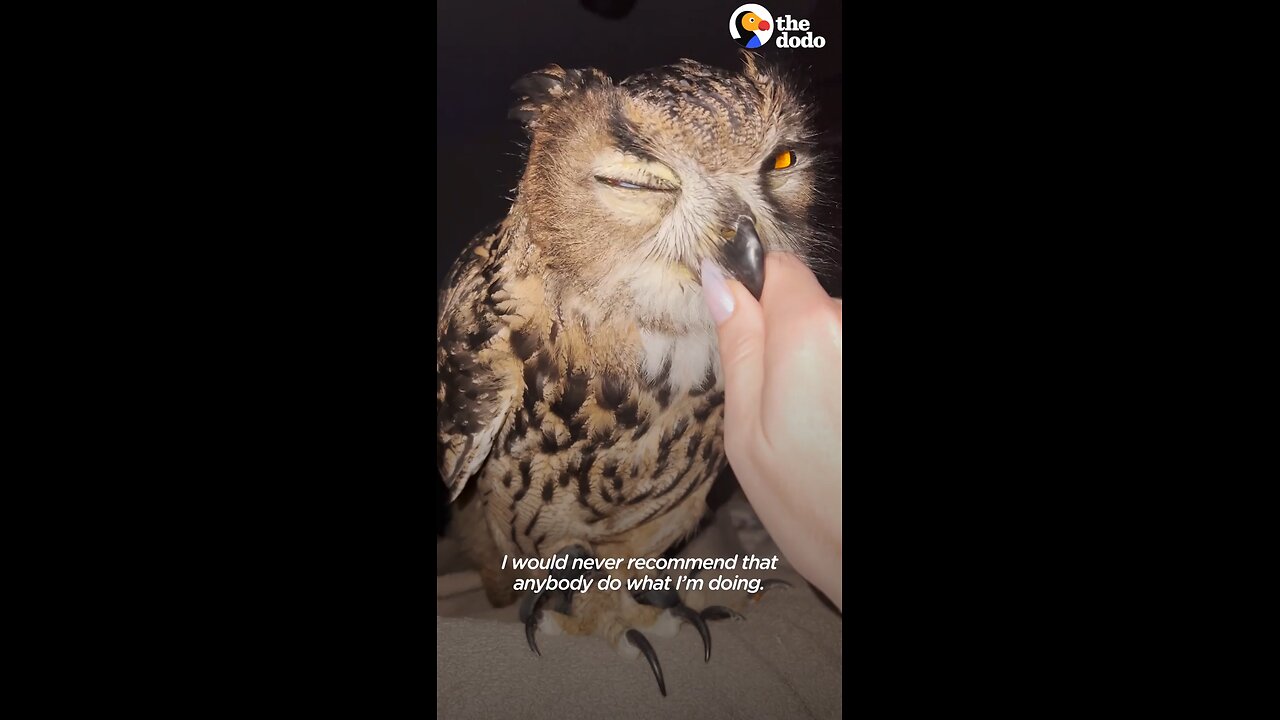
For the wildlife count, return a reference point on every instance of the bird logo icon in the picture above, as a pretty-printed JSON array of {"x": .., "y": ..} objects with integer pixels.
[{"x": 751, "y": 26}]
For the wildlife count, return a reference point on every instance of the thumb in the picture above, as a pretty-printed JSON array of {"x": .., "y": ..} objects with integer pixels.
[{"x": 740, "y": 325}]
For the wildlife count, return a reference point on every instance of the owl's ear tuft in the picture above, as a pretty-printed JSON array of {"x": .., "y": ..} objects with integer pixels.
[
  {"x": 755, "y": 68},
  {"x": 540, "y": 90},
  {"x": 542, "y": 86}
]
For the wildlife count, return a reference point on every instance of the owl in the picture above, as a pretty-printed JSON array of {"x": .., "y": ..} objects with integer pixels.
[{"x": 580, "y": 398}]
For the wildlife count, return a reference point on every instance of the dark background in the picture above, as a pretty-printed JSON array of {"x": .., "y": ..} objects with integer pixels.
[{"x": 484, "y": 46}]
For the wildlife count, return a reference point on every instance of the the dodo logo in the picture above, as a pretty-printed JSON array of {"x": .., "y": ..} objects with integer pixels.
[{"x": 751, "y": 25}]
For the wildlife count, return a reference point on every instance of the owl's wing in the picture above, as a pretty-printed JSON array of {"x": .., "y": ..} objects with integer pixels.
[{"x": 475, "y": 390}]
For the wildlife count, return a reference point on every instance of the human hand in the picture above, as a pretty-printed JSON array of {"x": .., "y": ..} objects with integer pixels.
[{"x": 782, "y": 360}]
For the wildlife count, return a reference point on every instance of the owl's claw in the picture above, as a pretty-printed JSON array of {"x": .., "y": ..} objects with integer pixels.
[
  {"x": 531, "y": 627},
  {"x": 720, "y": 612},
  {"x": 636, "y": 638},
  {"x": 534, "y": 616},
  {"x": 670, "y": 600},
  {"x": 531, "y": 608},
  {"x": 684, "y": 612},
  {"x": 532, "y": 619}
]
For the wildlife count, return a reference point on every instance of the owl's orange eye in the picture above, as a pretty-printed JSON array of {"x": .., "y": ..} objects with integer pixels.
[{"x": 784, "y": 160}]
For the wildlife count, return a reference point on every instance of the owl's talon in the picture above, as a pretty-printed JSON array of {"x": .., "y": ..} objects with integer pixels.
[
  {"x": 532, "y": 619},
  {"x": 684, "y": 612},
  {"x": 531, "y": 627},
  {"x": 720, "y": 612},
  {"x": 636, "y": 638}
]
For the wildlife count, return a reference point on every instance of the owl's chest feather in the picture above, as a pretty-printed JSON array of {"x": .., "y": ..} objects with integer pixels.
[{"x": 615, "y": 426}]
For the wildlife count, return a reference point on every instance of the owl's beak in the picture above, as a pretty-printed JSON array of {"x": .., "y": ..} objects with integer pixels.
[{"x": 743, "y": 256}]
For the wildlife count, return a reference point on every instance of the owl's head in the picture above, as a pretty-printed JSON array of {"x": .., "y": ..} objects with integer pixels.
[{"x": 628, "y": 186}]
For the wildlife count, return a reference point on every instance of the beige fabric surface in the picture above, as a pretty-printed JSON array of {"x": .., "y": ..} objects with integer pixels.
[{"x": 784, "y": 661}]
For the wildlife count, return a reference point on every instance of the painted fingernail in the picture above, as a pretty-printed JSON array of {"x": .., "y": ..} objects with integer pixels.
[{"x": 716, "y": 292}]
